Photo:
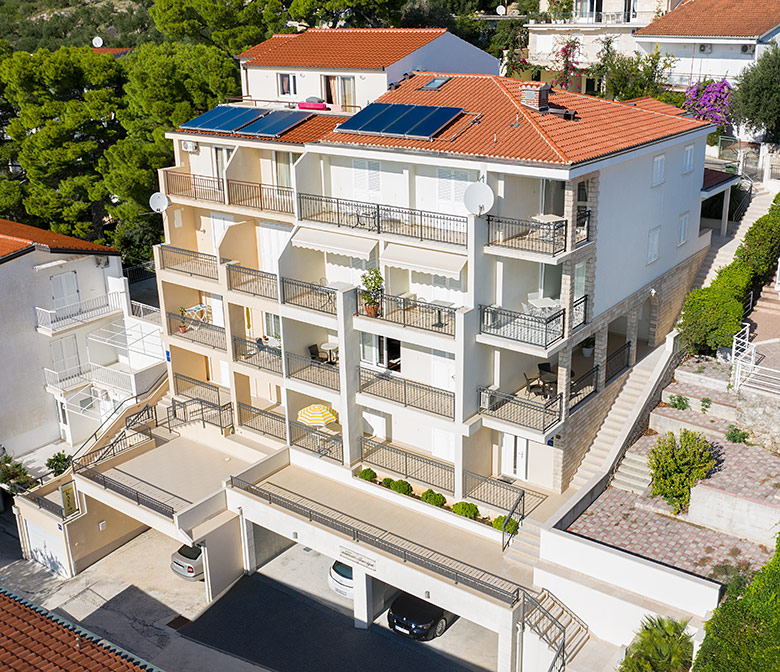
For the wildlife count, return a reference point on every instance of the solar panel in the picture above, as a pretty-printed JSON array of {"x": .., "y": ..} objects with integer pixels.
[
  {"x": 399, "y": 120},
  {"x": 275, "y": 123},
  {"x": 433, "y": 122},
  {"x": 240, "y": 117},
  {"x": 410, "y": 117},
  {"x": 204, "y": 120},
  {"x": 354, "y": 123}
]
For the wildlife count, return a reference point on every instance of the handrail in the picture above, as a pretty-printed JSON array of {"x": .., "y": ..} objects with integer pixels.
[
  {"x": 410, "y": 465},
  {"x": 410, "y": 393},
  {"x": 508, "y": 530},
  {"x": 41, "y": 502},
  {"x": 745, "y": 201},
  {"x": 407, "y": 312}
]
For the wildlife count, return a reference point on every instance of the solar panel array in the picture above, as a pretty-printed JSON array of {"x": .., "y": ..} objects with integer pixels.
[
  {"x": 247, "y": 121},
  {"x": 416, "y": 122}
]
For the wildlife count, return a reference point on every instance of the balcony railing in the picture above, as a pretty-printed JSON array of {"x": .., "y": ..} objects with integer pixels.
[
  {"x": 258, "y": 355},
  {"x": 251, "y": 281},
  {"x": 583, "y": 387},
  {"x": 199, "y": 187},
  {"x": 261, "y": 196},
  {"x": 490, "y": 491},
  {"x": 538, "y": 330},
  {"x": 195, "y": 389},
  {"x": 79, "y": 312},
  {"x": 409, "y": 313},
  {"x": 196, "y": 331},
  {"x": 420, "y": 224},
  {"x": 537, "y": 415},
  {"x": 265, "y": 422},
  {"x": 579, "y": 312},
  {"x": 119, "y": 380},
  {"x": 408, "y": 464},
  {"x": 145, "y": 312},
  {"x": 315, "y": 441},
  {"x": 582, "y": 230},
  {"x": 313, "y": 371},
  {"x": 125, "y": 491},
  {"x": 618, "y": 362},
  {"x": 69, "y": 378},
  {"x": 41, "y": 502},
  {"x": 188, "y": 261},
  {"x": 309, "y": 295},
  {"x": 527, "y": 235},
  {"x": 384, "y": 385}
]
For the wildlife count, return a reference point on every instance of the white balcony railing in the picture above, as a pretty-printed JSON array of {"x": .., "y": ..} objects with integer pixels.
[
  {"x": 111, "y": 377},
  {"x": 145, "y": 312},
  {"x": 77, "y": 313},
  {"x": 68, "y": 378}
]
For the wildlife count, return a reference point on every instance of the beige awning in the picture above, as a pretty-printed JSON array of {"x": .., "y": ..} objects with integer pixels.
[
  {"x": 338, "y": 243},
  {"x": 426, "y": 261}
]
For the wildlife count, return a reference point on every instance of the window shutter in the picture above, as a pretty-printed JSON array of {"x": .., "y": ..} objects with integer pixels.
[
  {"x": 461, "y": 181},
  {"x": 359, "y": 178},
  {"x": 445, "y": 185},
  {"x": 374, "y": 178}
]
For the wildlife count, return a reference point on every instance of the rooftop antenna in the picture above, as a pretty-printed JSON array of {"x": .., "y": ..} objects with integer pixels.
[
  {"x": 97, "y": 41},
  {"x": 517, "y": 119}
]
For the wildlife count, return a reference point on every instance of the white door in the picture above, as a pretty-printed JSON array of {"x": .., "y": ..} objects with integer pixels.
[
  {"x": 65, "y": 353},
  {"x": 443, "y": 444},
  {"x": 219, "y": 224},
  {"x": 64, "y": 289},
  {"x": 443, "y": 370},
  {"x": 367, "y": 182},
  {"x": 47, "y": 548},
  {"x": 514, "y": 456}
]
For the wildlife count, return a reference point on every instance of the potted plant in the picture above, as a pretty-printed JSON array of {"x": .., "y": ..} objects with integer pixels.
[
  {"x": 587, "y": 346},
  {"x": 372, "y": 291},
  {"x": 183, "y": 325}
]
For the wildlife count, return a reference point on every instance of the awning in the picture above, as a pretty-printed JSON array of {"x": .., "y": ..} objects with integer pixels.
[
  {"x": 338, "y": 243},
  {"x": 425, "y": 261}
]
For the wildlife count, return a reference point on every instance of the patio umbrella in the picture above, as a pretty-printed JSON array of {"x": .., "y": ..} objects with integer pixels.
[{"x": 316, "y": 415}]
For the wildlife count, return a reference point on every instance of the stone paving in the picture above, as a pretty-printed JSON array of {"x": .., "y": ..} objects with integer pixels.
[
  {"x": 695, "y": 393},
  {"x": 707, "y": 367},
  {"x": 709, "y": 424}
]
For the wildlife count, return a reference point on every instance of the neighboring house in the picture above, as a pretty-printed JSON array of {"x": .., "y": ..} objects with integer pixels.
[
  {"x": 77, "y": 349},
  {"x": 712, "y": 39},
  {"x": 116, "y": 52},
  {"x": 362, "y": 63}
]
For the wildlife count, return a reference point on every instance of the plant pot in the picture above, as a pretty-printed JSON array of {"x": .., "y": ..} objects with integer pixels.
[
  {"x": 182, "y": 328},
  {"x": 372, "y": 311},
  {"x": 587, "y": 352}
]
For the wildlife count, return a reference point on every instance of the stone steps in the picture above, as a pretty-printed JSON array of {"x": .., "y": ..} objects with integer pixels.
[
  {"x": 667, "y": 419},
  {"x": 525, "y": 544},
  {"x": 722, "y": 404},
  {"x": 701, "y": 380},
  {"x": 576, "y": 630}
]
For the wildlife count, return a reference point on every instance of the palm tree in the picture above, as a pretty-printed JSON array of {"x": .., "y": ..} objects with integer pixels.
[{"x": 661, "y": 645}]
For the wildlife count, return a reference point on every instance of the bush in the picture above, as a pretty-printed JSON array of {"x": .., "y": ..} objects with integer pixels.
[
  {"x": 734, "y": 280},
  {"x": 761, "y": 246},
  {"x": 404, "y": 487},
  {"x": 435, "y": 498},
  {"x": 710, "y": 318},
  {"x": 512, "y": 526},
  {"x": 367, "y": 474},
  {"x": 661, "y": 645},
  {"x": 679, "y": 401},
  {"x": 736, "y": 435},
  {"x": 675, "y": 466},
  {"x": 388, "y": 482},
  {"x": 13, "y": 473},
  {"x": 58, "y": 463},
  {"x": 466, "y": 509}
]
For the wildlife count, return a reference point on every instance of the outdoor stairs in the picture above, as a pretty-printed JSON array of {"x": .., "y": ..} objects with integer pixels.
[
  {"x": 769, "y": 301},
  {"x": 525, "y": 544},
  {"x": 576, "y": 630}
]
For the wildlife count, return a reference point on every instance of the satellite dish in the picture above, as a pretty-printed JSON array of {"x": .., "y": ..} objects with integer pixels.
[
  {"x": 478, "y": 198},
  {"x": 501, "y": 10},
  {"x": 158, "y": 202},
  {"x": 97, "y": 41}
]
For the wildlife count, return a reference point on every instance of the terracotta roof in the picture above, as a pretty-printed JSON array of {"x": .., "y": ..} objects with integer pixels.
[
  {"x": 496, "y": 125},
  {"x": 353, "y": 48},
  {"x": 712, "y": 178},
  {"x": 717, "y": 18},
  {"x": 648, "y": 103},
  {"x": 114, "y": 51},
  {"x": 14, "y": 235},
  {"x": 311, "y": 130},
  {"x": 34, "y": 639}
]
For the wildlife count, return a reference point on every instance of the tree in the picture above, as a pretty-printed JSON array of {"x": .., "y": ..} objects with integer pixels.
[
  {"x": 370, "y": 13},
  {"x": 709, "y": 100},
  {"x": 623, "y": 77},
  {"x": 756, "y": 99},
  {"x": 567, "y": 65},
  {"x": 661, "y": 645},
  {"x": 11, "y": 186}
]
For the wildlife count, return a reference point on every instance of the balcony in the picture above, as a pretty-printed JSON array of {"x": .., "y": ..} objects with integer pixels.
[
  {"x": 540, "y": 237},
  {"x": 514, "y": 408},
  {"x": 263, "y": 421},
  {"x": 186, "y": 386},
  {"x": 319, "y": 441},
  {"x": 406, "y": 392},
  {"x": 196, "y": 331},
  {"x": 188, "y": 262},
  {"x": 252, "y": 282},
  {"x": 324, "y": 374},
  {"x": 410, "y": 313},
  {"x": 309, "y": 295},
  {"x": 256, "y": 354},
  {"x": 583, "y": 387},
  {"x": 75, "y": 376},
  {"x": 421, "y": 468},
  {"x": 116, "y": 376},
  {"x": 198, "y": 187},
  {"x": 145, "y": 312},
  {"x": 419, "y": 224},
  {"x": 78, "y": 313}
]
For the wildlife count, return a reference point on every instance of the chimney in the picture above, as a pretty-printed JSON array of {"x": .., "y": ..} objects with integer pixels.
[{"x": 535, "y": 97}]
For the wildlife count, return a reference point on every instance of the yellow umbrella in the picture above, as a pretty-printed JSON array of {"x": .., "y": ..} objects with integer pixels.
[{"x": 316, "y": 415}]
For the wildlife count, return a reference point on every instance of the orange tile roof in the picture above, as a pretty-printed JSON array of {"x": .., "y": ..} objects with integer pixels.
[
  {"x": 33, "y": 639},
  {"x": 114, "y": 51},
  {"x": 14, "y": 235},
  {"x": 717, "y": 18},
  {"x": 353, "y": 48},
  {"x": 712, "y": 178},
  {"x": 311, "y": 130},
  {"x": 648, "y": 103},
  {"x": 496, "y": 125}
]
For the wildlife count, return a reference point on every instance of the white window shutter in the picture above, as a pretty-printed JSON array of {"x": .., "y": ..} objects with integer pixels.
[
  {"x": 445, "y": 185},
  {"x": 461, "y": 181},
  {"x": 374, "y": 178},
  {"x": 359, "y": 178}
]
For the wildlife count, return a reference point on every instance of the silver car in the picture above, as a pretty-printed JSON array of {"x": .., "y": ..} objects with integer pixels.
[
  {"x": 340, "y": 579},
  {"x": 187, "y": 562}
]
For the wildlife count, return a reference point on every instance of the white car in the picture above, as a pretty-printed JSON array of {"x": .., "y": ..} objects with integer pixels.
[
  {"x": 187, "y": 562},
  {"x": 340, "y": 579}
]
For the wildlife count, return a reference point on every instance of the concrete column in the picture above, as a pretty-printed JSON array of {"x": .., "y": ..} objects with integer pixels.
[
  {"x": 724, "y": 216},
  {"x": 632, "y": 333},
  {"x": 570, "y": 212},
  {"x": 508, "y": 659},
  {"x": 564, "y": 379},
  {"x": 247, "y": 544},
  {"x": 459, "y": 466},
  {"x": 351, "y": 416},
  {"x": 567, "y": 295},
  {"x": 367, "y": 597},
  {"x": 600, "y": 355}
]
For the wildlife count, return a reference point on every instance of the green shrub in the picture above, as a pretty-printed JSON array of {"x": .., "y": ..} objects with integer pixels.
[
  {"x": 679, "y": 401},
  {"x": 706, "y": 402},
  {"x": 661, "y": 645},
  {"x": 466, "y": 509},
  {"x": 11, "y": 472},
  {"x": 58, "y": 463},
  {"x": 512, "y": 526},
  {"x": 404, "y": 487},
  {"x": 736, "y": 435},
  {"x": 367, "y": 474},
  {"x": 434, "y": 498},
  {"x": 761, "y": 246},
  {"x": 388, "y": 482},
  {"x": 734, "y": 280},
  {"x": 710, "y": 318},
  {"x": 675, "y": 466}
]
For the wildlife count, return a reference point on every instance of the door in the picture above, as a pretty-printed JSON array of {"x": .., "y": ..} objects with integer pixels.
[
  {"x": 47, "y": 548},
  {"x": 64, "y": 290},
  {"x": 65, "y": 354},
  {"x": 283, "y": 162},
  {"x": 443, "y": 444},
  {"x": 219, "y": 225},
  {"x": 443, "y": 370},
  {"x": 347, "y": 92},
  {"x": 329, "y": 89},
  {"x": 367, "y": 183},
  {"x": 514, "y": 456},
  {"x": 221, "y": 158}
]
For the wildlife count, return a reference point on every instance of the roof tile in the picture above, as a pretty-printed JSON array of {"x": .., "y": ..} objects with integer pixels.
[
  {"x": 14, "y": 234},
  {"x": 716, "y": 18}
]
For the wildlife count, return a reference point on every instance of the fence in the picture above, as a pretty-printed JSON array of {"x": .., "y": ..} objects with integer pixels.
[
  {"x": 745, "y": 370},
  {"x": 542, "y": 237},
  {"x": 195, "y": 389},
  {"x": 81, "y": 311},
  {"x": 583, "y": 387},
  {"x": 313, "y": 371},
  {"x": 145, "y": 312},
  {"x": 315, "y": 441},
  {"x": 522, "y": 327},
  {"x": 410, "y": 465},
  {"x": 125, "y": 491},
  {"x": 265, "y": 422},
  {"x": 197, "y": 331},
  {"x": 524, "y": 412},
  {"x": 139, "y": 272},
  {"x": 617, "y": 362},
  {"x": 199, "y": 187},
  {"x": 251, "y": 281},
  {"x": 408, "y": 312},
  {"x": 188, "y": 261},
  {"x": 407, "y": 392},
  {"x": 309, "y": 295},
  {"x": 258, "y": 355},
  {"x": 261, "y": 196}
]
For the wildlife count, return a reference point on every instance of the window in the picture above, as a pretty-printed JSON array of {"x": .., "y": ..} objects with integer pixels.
[
  {"x": 348, "y": 91},
  {"x": 452, "y": 186},
  {"x": 435, "y": 84},
  {"x": 273, "y": 326},
  {"x": 682, "y": 234},
  {"x": 653, "y": 241},
  {"x": 366, "y": 180},
  {"x": 283, "y": 169},
  {"x": 658, "y": 170},
  {"x": 287, "y": 84},
  {"x": 688, "y": 159},
  {"x": 579, "y": 279}
]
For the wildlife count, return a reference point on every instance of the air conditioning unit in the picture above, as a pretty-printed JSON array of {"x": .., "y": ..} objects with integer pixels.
[
  {"x": 101, "y": 261},
  {"x": 189, "y": 146},
  {"x": 748, "y": 48},
  {"x": 705, "y": 48},
  {"x": 488, "y": 397}
]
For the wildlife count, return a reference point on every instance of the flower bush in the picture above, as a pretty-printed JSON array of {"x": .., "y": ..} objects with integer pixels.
[
  {"x": 709, "y": 100},
  {"x": 435, "y": 498},
  {"x": 567, "y": 65}
]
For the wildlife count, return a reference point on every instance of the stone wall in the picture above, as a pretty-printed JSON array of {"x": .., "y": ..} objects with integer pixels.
[{"x": 759, "y": 412}]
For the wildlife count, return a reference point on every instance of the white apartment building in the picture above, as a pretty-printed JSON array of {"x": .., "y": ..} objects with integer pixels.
[{"x": 78, "y": 351}]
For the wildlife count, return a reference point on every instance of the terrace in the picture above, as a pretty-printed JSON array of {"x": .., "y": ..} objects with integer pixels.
[{"x": 64, "y": 317}]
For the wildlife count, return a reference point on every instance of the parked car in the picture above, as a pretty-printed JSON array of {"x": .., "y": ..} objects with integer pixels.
[
  {"x": 340, "y": 579},
  {"x": 187, "y": 562},
  {"x": 418, "y": 619}
]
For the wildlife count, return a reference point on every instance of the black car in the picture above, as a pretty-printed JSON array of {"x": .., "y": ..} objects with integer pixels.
[{"x": 416, "y": 618}]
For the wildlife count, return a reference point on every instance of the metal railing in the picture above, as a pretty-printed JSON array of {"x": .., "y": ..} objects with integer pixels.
[
  {"x": 125, "y": 491},
  {"x": 199, "y": 410},
  {"x": 81, "y": 311},
  {"x": 122, "y": 442},
  {"x": 197, "y": 331},
  {"x": 265, "y": 422},
  {"x": 261, "y": 196},
  {"x": 410, "y": 465},
  {"x": 199, "y": 187},
  {"x": 522, "y": 327},
  {"x": 146, "y": 417},
  {"x": 528, "y": 235},
  {"x": 512, "y": 521},
  {"x": 491, "y": 491},
  {"x": 72, "y": 377},
  {"x": 583, "y": 387},
  {"x": 252, "y": 281},
  {"x": 420, "y": 224},
  {"x": 538, "y": 415},
  {"x": 313, "y": 371},
  {"x": 145, "y": 312},
  {"x": 105, "y": 375},
  {"x": 41, "y": 502},
  {"x": 582, "y": 228},
  {"x": 188, "y": 261},
  {"x": 616, "y": 17},
  {"x": 408, "y": 312},
  {"x": 139, "y": 272},
  {"x": 579, "y": 312},
  {"x": 315, "y": 441},
  {"x": 258, "y": 355},
  {"x": 309, "y": 295},
  {"x": 195, "y": 389},
  {"x": 409, "y": 393},
  {"x": 617, "y": 362},
  {"x": 748, "y": 184}
]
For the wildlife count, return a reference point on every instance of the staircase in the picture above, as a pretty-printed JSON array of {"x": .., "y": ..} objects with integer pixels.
[
  {"x": 769, "y": 301},
  {"x": 525, "y": 544},
  {"x": 575, "y": 629},
  {"x": 633, "y": 475}
]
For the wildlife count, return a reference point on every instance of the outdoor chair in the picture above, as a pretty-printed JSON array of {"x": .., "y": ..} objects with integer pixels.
[
  {"x": 533, "y": 386},
  {"x": 316, "y": 355}
]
